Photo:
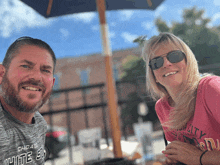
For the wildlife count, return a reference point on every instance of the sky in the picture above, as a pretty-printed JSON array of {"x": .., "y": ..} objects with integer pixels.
[{"x": 79, "y": 34}]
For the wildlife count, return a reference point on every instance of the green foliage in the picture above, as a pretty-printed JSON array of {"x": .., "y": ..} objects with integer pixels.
[
  {"x": 194, "y": 30},
  {"x": 161, "y": 25},
  {"x": 134, "y": 67},
  {"x": 140, "y": 40},
  {"x": 129, "y": 113},
  {"x": 134, "y": 71}
]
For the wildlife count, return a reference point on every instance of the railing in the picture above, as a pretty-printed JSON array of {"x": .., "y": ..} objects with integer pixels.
[{"x": 123, "y": 89}]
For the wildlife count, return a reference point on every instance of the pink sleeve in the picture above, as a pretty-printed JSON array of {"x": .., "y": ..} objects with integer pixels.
[
  {"x": 160, "y": 111},
  {"x": 211, "y": 96},
  {"x": 157, "y": 109},
  {"x": 163, "y": 116}
]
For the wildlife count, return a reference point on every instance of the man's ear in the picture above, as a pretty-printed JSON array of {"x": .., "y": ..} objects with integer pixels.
[
  {"x": 2, "y": 72},
  {"x": 53, "y": 81}
]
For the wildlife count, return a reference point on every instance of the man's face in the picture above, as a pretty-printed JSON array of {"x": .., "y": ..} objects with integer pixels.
[{"x": 28, "y": 82}]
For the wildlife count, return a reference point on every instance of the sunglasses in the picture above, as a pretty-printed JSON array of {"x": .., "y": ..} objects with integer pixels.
[{"x": 173, "y": 56}]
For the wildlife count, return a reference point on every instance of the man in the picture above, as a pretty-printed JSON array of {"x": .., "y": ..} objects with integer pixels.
[{"x": 26, "y": 76}]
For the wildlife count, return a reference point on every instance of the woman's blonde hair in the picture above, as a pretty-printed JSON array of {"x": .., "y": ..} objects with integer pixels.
[{"x": 186, "y": 100}]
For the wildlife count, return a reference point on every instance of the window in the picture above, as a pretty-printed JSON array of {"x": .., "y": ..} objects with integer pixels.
[{"x": 84, "y": 78}]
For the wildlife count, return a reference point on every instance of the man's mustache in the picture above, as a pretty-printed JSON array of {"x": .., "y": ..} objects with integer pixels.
[{"x": 33, "y": 82}]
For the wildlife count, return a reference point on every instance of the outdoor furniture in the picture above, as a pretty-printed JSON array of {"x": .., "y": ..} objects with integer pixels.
[{"x": 90, "y": 141}]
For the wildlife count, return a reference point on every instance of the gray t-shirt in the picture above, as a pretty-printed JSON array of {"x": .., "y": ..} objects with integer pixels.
[{"x": 21, "y": 143}]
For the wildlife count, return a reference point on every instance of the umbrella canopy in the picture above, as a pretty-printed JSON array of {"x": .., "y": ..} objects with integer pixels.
[
  {"x": 53, "y": 8},
  {"x": 64, "y": 7}
]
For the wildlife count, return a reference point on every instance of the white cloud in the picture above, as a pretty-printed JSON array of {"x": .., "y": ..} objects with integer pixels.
[
  {"x": 84, "y": 17},
  {"x": 126, "y": 14},
  {"x": 16, "y": 16},
  {"x": 216, "y": 17},
  {"x": 95, "y": 28},
  {"x": 147, "y": 25},
  {"x": 160, "y": 10},
  {"x": 113, "y": 24},
  {"x": 64, "y": 33},
  {"x": 216, "y": 2},
  {"x": 111, "y": 34},
  {"x": 128, "y": 37}
]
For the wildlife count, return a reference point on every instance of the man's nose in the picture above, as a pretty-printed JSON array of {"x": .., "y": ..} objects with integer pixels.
[{"x": 36, "y": 74}]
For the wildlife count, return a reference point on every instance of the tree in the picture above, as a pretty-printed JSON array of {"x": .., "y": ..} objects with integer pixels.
[
  {"x": 134, "y": 72},
  {"x": 194, "y": 30},
  {"x": 133, "y": 67}
]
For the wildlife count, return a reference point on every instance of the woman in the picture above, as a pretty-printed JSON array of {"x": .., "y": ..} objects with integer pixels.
[{"x": 188, "y": 106}]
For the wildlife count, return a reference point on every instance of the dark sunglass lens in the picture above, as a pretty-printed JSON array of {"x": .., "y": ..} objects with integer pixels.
[
  {"x": 175, "y": 56},
  {"x": 156, "y": 63}
]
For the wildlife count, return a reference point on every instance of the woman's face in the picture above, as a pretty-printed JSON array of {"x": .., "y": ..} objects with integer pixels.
[{"x": 170, "y": 75}]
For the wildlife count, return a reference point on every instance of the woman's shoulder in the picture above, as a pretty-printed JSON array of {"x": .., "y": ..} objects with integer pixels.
[
  {"x": 210, "y": 79},
  {"x": 162, "y": 109},
  {"x": 162, "y": 102},
  {"x": 209, "y": 85}
]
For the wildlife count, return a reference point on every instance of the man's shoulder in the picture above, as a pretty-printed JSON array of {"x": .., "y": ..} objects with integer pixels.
[
  {"x": 3, "y": 126},
  {"x": 40, "y": 121},
  {"x": 3, "y": 122},
  {"x": 39, "y": 118},
  {"x": 4, "y": 137},
  {"x": 1, "y": 112}
]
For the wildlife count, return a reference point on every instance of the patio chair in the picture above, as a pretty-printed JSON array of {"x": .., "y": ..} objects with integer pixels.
[{"x": 90, "y": 141}]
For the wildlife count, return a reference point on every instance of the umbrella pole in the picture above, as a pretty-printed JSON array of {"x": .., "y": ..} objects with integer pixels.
[{"x": 112, "y": 97}]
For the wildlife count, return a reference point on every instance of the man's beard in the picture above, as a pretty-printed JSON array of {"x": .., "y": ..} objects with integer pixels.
[{"x": 13, "y": 99}]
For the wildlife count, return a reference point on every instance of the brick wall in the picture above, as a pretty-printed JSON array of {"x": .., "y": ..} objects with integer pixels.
[{"x": 68, "y": 72}]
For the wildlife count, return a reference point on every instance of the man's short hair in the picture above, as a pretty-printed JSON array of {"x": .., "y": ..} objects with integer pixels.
[{"x": 13, "y": 49}]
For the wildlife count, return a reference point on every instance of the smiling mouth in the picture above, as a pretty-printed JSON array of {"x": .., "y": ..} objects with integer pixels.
[
  {"x": 168, "y": 74},
  {"x": 31, "y": 88}
]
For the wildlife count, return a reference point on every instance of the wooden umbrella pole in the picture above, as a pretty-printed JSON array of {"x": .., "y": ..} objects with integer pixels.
[
  {"x": 149, "y": 3},
  {"x": 112, "y": 97},
  {"x": 49, "y": 7}
]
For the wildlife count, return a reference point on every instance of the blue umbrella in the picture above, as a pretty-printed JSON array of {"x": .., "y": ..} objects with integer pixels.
[
  {"x": 54, "y": 8},
  {"x": 64, "y": 7}
]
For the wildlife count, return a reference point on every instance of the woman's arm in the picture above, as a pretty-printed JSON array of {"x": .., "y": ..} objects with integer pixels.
[
  {"x": 211, "y": 158},
  {"x": 189, "y": 154}
]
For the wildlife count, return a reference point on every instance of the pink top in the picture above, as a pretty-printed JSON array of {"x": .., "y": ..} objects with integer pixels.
[{"x": 204, "y": 127}]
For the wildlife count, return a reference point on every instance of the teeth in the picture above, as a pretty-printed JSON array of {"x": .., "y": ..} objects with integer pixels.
[
  {"x": 31, "y": 88},
  {"x": 171, "y": 73}
]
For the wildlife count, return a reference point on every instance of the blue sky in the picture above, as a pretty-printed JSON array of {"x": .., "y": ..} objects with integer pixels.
[{"x": 79, "y": 34}]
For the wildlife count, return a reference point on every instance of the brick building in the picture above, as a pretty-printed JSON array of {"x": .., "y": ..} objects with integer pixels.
[{"x": 85, "y": 70}]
